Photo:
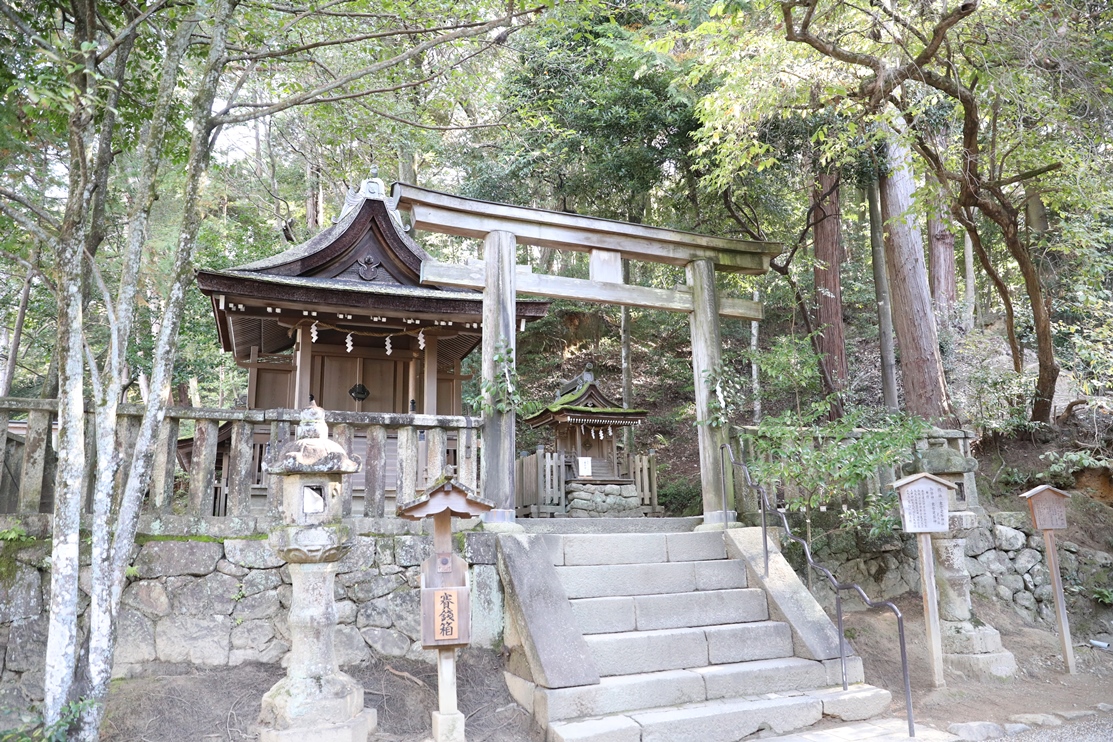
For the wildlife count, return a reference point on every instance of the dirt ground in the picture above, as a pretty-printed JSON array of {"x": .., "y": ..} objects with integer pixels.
[
  {"x": 1042, "y": 684},
  {"x": 184, "y": 704},
  {"x": 176, "y": 704}
]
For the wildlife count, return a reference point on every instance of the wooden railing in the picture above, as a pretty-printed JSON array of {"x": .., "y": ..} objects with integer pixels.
[
  {"x": 217, "y": 468},
  {"x": 539, "y": 484},
  {"x": 540, "y": 480},
  {"x": 642, "y": 468}
]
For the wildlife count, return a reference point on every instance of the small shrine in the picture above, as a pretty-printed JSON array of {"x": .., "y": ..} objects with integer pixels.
[{"x": 587, "y": 425}]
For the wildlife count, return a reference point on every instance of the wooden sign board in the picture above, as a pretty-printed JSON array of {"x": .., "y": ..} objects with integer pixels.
[
  {"x": 1048, "y": 507},
  {"x": 924, "y": 503},
  {"x": 445, "y": 617},
  {"x": 584, "y": 465}
]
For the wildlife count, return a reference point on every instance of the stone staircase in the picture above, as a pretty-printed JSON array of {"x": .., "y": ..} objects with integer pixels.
[{"x": 685, "y": 649}]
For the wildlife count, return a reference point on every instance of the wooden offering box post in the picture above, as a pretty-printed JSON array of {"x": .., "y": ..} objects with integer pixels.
[
  {"x": 924, "y": 506},
  {"x": 1048, "y": 507},
  {"x": 445, "y": 597}
]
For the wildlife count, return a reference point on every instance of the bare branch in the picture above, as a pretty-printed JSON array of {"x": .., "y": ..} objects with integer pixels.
[
  {"x": 127, "y": 30},
  {"x": 27, "y": 31},
  {"x": 27, "y": 223},
  {"x": 319, "y": 92},
  {"x": 1026, "y": 175},
  {"x": 432, "y": 127},
  {"x": 30, "y": 206},
  {"x": 256, "y": 56},
  {"x": 363, "y": 93}
]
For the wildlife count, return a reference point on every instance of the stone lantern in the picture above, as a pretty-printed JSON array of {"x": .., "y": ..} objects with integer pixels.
[{"x": 315, "y": 701}]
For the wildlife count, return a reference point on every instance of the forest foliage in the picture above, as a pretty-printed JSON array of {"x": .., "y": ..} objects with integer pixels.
[{"x": 141, "y": 141}]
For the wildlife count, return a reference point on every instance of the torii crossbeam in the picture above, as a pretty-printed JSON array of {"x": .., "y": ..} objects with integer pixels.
[{"x": 502, "y": 227}]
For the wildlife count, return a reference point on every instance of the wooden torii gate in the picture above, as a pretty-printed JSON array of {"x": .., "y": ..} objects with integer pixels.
[{"x": 502, "y": 227}]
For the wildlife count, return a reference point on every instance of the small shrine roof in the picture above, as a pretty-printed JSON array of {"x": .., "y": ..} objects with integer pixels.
[
  {"x": 446, "y": 494},
  {"x": 582, "y": 402}
]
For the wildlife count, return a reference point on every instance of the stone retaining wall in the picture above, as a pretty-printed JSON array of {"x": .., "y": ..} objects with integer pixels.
[
  {"x": 603, "y": 500},
  {"x": 217, "y": 601},
  {"x": 1004, "y": 555}
]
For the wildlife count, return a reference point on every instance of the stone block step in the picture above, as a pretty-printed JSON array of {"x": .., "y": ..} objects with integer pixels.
[
  {"x": 762, "y": 676},
  {"x": 630, "y": 652},
  {"x": 619, "y": 694},
  {"x": 626, "y": 693},
  {"x": 641, "y": 548},
  {"x": 727, "y": 720},
  {"x": 669, "y": 610},
  {"x": 597, "y": 581}
]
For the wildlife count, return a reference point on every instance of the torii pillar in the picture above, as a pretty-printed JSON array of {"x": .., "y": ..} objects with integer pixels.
[
  {"x": 707, "y": 361},
  {"x": 499, "y": 319}
]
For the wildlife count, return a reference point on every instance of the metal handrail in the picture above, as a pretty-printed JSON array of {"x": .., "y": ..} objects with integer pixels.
[{"x": 838, "y": 586}]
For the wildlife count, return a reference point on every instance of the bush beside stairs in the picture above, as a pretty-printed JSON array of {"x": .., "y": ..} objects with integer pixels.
[{"x": 663, "y": 637}]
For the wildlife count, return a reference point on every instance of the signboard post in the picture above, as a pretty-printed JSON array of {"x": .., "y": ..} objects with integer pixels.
[
  {"x": 445, "y": 595},
  {"x": 1048, "y": 507},
  {"x": 924, "y": 505}
]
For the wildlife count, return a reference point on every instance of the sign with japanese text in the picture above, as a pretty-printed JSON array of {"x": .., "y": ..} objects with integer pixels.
[
  {"x": 1048, "y": 507},
  {"x": 445, "y": 617},
  {"x": 924, "y": 504}
]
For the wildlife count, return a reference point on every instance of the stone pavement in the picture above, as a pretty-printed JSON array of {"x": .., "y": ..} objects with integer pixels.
[{"x": 878, "y": 730}]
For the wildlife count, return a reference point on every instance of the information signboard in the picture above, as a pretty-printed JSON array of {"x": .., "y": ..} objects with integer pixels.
[{"x": 924, "y": 503}]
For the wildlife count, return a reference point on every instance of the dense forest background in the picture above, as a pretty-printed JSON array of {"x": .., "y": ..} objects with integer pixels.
[{"x": 938, "y": 174}]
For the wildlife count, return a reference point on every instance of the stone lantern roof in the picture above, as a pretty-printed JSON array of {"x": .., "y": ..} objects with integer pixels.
[{"x": 312, "y": 452}]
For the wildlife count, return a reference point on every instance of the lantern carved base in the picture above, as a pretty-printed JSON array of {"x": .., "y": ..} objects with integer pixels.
[{"x": 312, "y": 706}]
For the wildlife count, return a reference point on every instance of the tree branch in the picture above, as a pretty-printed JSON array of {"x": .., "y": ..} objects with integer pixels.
[
  {"x": 1026, "y": 175},
  {"x": 27, "y": 31},
  {"x": 127, "y": 30},
  {"x": 313, "y": 95},
  {"x": 30, "y": 206},
  {"x": 255, "y": 57},
  {"x": 27, "y": 223}
]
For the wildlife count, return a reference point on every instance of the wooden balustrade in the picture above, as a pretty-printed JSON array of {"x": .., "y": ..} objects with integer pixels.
[
  {"x": 540, "y": 478},
  {"x": 219, "y": 469}
]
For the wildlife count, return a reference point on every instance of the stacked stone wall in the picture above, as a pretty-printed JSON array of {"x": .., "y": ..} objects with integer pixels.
[
  {"x": 222, "y": 600},
  {"x": 1004, "y": 555},
  {"x": 603, "y": 500}
]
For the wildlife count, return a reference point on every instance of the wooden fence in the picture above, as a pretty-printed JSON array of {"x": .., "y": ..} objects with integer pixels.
[
  {"x": 539, "y": 484},
  {"x": 540, "y": 480},
  {"x": 218, "y": 470}
]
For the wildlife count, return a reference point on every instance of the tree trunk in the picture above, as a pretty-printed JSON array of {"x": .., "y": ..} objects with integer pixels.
[
  {"x": 969, "y": 288},
  {"x": 925, "y": 387},
  {"x": 975, "y": 240},
  {"x": 1048, "y": 374},
  {"x": 828, "y": 288},
  {"x": 941, "y": 248},
  {"x": 17, "y": 334},
  {"x": 312, "y": 198},
  {"x": 884, "y": 308}
]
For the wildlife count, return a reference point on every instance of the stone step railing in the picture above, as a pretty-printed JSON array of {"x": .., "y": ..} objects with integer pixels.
[{"x": 210, "y": 462}]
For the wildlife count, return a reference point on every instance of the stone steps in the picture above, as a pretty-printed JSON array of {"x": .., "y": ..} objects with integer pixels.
[
  {"x": 685, "y": 650},
  {"x": 726, "y": 720},
  {"x": 611, "y": 580},
  {"x": 669, "y": 610}
]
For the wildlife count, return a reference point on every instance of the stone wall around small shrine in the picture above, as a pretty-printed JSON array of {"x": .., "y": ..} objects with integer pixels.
[
  {"x": 195, "y": 598},
  {"x": 613, "y": 500},
  {"x": 1004, "y": 556}
]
